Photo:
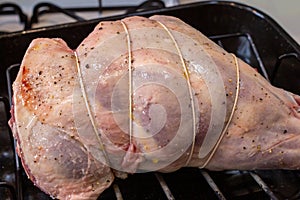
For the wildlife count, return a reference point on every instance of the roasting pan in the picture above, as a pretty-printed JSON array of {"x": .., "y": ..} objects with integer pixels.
[{"x": 249, "y": 33}]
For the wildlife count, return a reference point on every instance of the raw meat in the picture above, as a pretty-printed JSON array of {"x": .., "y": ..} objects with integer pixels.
[{"x": 141, "y": 95}]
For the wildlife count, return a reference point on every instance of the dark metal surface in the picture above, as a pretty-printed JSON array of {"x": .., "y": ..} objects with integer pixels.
[
  {"x": 43, "y": 8},
  {"x": 14, "y": 9},
  {"x": 249, "y": 33}
]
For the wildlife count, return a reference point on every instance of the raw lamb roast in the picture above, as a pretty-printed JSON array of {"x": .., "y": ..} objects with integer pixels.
[{"x": 141, "y": 95}]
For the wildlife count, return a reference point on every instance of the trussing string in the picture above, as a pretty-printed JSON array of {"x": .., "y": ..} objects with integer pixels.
[
  {"x": 129, "y": 80},
  {"x": 186, "y": 73},
  {"x": 88, "y": 107},
  {"x": 232, "y": 111}
]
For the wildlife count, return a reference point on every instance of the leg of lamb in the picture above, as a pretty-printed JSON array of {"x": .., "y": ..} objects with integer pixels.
[{"x": 141, "y": 95}]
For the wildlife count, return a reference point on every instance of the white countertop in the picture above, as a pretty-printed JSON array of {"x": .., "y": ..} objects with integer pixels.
[{"x": 285, "y": 13}]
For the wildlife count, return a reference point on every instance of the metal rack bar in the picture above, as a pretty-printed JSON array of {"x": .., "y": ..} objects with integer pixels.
[
  {"x": 117, "y": 192},
  {"x": 18, "y": 166},
  {"x": 165, "y": 187},
  {"x": 48, "y": 7},
  {"x": 218, "y": 38},
  {"x": 147, "y": 5},
  {"x": 279, "y": 61},
  {"x": 10, "y": 188},
  {"x": 257, "y": 56},
  {"x": 212, "y": 184},
  {"x": 11, "y": 8},
  {"x": 263, "y": 185},
  {"x": 6, "y": 105}
]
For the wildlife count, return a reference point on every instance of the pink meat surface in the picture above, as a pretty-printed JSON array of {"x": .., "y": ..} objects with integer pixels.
[{"x": 141, "y": 95}]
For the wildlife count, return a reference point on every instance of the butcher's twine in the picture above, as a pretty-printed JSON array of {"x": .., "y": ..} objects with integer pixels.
[
  {"x": 193, "y": 105},
  {"x": 88, "y": 107},
  {"x": 129, "y": 81},
  {"x": 231, "y": 114},
  {"x": 186, "y": 73}
]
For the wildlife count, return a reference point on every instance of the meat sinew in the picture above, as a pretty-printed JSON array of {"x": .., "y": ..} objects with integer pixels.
[{"x": 141, "y": 95}]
